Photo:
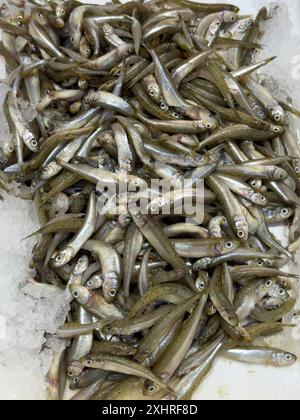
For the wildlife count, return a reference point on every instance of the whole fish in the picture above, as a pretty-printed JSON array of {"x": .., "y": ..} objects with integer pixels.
[{"x": 162, "y": 165}]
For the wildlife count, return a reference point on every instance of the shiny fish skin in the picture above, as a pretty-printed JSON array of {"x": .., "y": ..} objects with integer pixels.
[
  {"x": 261, "y": 355},
  {"x": 113, "y": 363},
  {"x": 114, "y": 118},
  {"x": 70, "y": 250},
  {"x": 110, "y": 267}
]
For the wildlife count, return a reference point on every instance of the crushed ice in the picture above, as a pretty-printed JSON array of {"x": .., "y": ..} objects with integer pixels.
[{"x": 28, "y": 311}]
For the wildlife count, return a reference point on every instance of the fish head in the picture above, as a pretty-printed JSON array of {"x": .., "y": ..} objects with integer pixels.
[
  {"x": 203, "y": 263},
  {"x": 296, "y": 166},
  {"x": 153, "y": 91},
  {"x": 41, "y": 18},
  {"x": 264, "y": 262},
  {"x": 151, "y": 388},
  {"x": 109, "y": 329},
  {"x": 110, "y": 286},
  {"x": 244, "y": 25},
  {"x": 225, "y": 246},
  {"x": 89, "y": 362},
  {"x": 125, "y": 50},
  {"x": 81, "y": 265},
  {"x": 278, "y": 114},
  {"x": 124, "y": 220},
  {"x": 91, "y": 98},
  {"x": 205, "y": 118},
  {"x": 85, "y": 50},
  {"x": 256, "y": 184},
  {"x": 74, "y": 383},
  {"x": 48, "y": 171},
  {"x": 280, "y": 174},
  {"x": 210, "y": 309},
  {"x": 136, "y": 184},
  {"x": 79, "y": 293},
  {"x": 283, "y": 359},
  {"x": 62, "y": 257},
  {"x": 95, "y": 282},
  {"x": 59, "y": 23},
  {"x": 60, "y": 11},
  {"x": 229, "y": 17},
  {"x": 259, "y": 199},
  {"x": 202, "y": 282},
  {"x": 285, "y": 213},
  {"x": 267, "y": 288},
  {"x": 277, "y": 129},
  {"x": 277, "y": 291},
  {"x": 75, "y": 39},
  {"x": 74, "y": 369},
  {"x": 272, "y": 304}
]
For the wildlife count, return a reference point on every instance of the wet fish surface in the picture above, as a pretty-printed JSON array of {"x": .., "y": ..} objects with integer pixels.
[{"x": 102, "y": 104}]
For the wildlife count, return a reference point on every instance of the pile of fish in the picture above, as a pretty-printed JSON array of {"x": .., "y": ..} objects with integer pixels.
[{"x": 164, "y": 90}]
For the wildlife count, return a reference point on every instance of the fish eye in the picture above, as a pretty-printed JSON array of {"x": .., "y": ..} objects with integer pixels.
[
  {"x": 88, "y": 362},
  {"x": 76, "y": 380},
  {"x": 90, "y": 283},
  {"x": 112, "y": 293},
  {"x": 152, "y": 388},
  {"x": 284, "y": 212},
  {"x": 201, "y": 285},
  {"x": 233, "y": 19},
  {"x": 281, "y": 292},
  {"x": 297, "y": 169},
  {"x": 75, "y": 294},
  {"x": 268, "y": 283},
  {"x": 260, "y": 263},
  {"x": 152, "y": 92},
  {"x": 34, "y": 143},
  {"x": 62, "y": 12},
  {"x": 70, "y": 374},
  {"x": 229, "y": 245},
  {"x": 59, "y": 258},
  {"x": 288, "y": 357},
  {"x": 276, "y": 129},
  {"x": 241, "y": 234},
  {"x": 72, "y": 39},
  {"x": 208, "y": 125},
  {"x": 108, "y": 329}
]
